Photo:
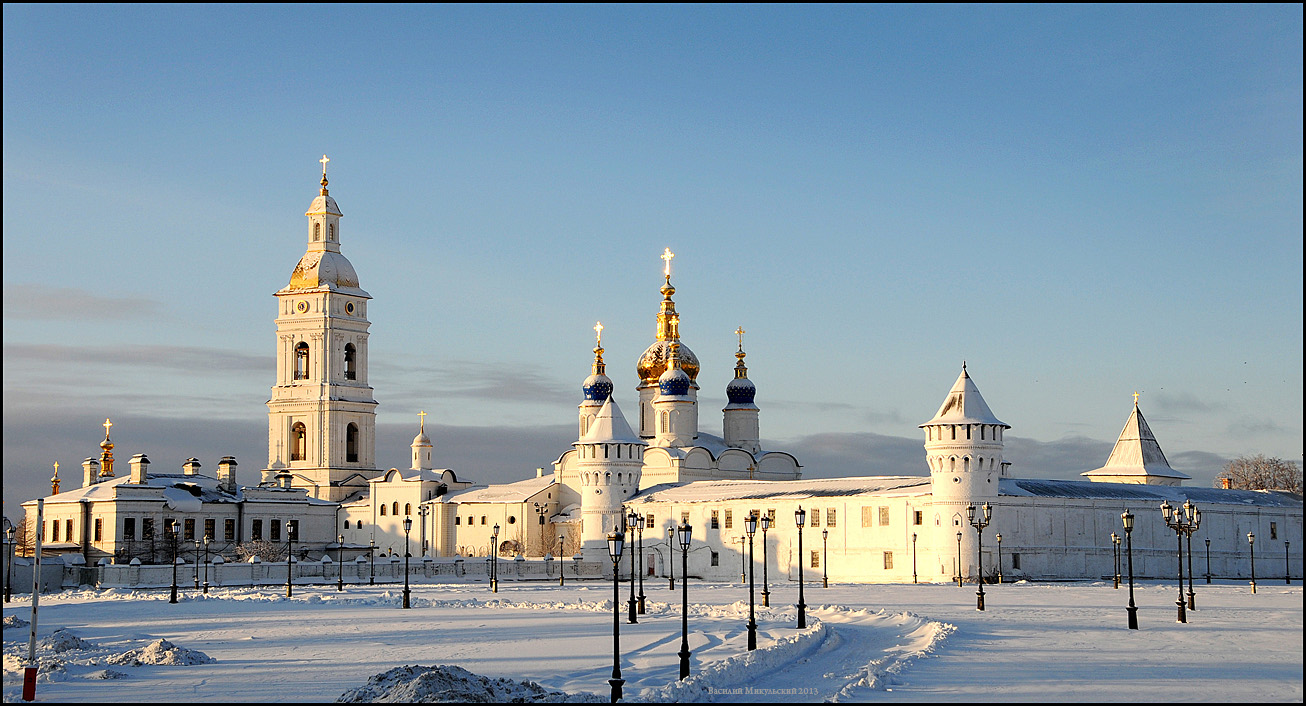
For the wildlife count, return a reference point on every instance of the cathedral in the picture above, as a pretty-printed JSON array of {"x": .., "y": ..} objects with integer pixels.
[{"x": 967, "y": 514}]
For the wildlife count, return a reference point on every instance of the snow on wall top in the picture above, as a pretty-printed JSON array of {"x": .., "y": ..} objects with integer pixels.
[{"x": 719, "y": 490}]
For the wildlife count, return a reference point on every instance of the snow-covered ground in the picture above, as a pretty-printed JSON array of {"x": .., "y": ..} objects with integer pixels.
[{"x": 1036, "y": 642}]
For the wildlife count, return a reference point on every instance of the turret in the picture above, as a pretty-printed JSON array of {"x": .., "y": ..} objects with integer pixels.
[
  {"x": 421, "y": 446},
  {"x": 740, "y": 425},
  {"x": 675, "y": 411},
  {"x": 655, "y": 359},
  {"x": 610, "y": 457},
  {"x": 227, "y": 475},
  {"x": 597, "y": 388}
]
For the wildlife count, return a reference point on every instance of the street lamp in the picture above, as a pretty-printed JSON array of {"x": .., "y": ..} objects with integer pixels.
[
  {"x": 562, "y": 565},
  {"x": 1251, "y": 548},
  {"x": 1175, "y": 521},
  {"x": 685, "y": 532},
  {"x": 197, "y": 565},
  {"x": 1287, "y": 565},
  {"x": 408, "y": 526},
  {"x": 494, "y": 559},
  {"x": 1128, "y": 519},
  {"x": 959, "y": 572},
  {"x": 206, "y": 563},
  {"x": 913, "y": 557},
  {"x": 9, "y": 567},
  {"x": 340, "y": 556},
  {"x": 616, "y": 540},
  {"x": 766, "y": 591},
  {"x": 423, "y": 511},
  {"x": 541, "y": 511},
  {"x": 999, "y": 538},
  {"x": 1193, "y": 515},
  {"x": 979, "y": 523},
  {"x": 631, "y": 519},
  {"x": 639, "y": 526},
  {"x": 290, "y": 556},
  {"x": 743, "y": 567},
  {"x": 371, "y": 554},
  {"x": 750, "y": 526},
  {"x": 1115, "y": 558},
  {"x": 1208, "y": 560},
  {"x": 671, "y": 555},
  {"x": 173, "y": 526},
  {"x": 800, "y": 519},
  {"x": 825, "y": 558}
]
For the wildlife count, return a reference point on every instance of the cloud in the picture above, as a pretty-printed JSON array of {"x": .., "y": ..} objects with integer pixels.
[
  {"x": 43, "y": 302},
  {"x": 184, "y": 359},
  {"x": 1177, "y": 403}
]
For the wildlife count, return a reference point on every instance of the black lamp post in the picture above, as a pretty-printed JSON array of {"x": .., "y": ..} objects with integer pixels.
[
  {"x": 631, "y": 519},
  {"x": 1208, "y": 560},
  {"x": 197, "y": 565},
  {"x": 800, "y": 519},
  {"x": 959, "y": 571},
  {"x": 685, "y": 532},
  {"x": 913, "y": 557},
  {"x": 562, "y": 565},
  {"x": 825, "y": 558},
  {"x": 408, "y": 526},
  {"x": 616, "y": 540},
  {"x": 340, "y": 556},
  {"x": 639, "y": 525},
  {"x": 1115, "y": 558},
  {"x": 422, "y": 512},
  {"x": 671, "y": 555},
  {"x": 206, "y": 563},
  {"x": 750, "y": 526},
  {"x": 1251, "y": 549},
  {"x": 290, "y": 557},
  {"x": 979, "y": 523},
  {"x": 766, "y": 591},
  {"x": 494, "y": 560},
  {"x": 1175, "y": 521},
  {"x": 999, "y": 538},
  {"x": 9, "y": 568},
  {"x": 371, "y": 554},
  {"x": 1128, "y": 519},
  {"x": 743, "y": 567},
  {"x": 173, "y": 527},
  {"x": 1287, "y": 565},
  {"x": 1193, "y": 514}
]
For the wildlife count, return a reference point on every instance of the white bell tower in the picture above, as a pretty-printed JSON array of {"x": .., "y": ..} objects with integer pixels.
[{"x": 321, "y": 416}]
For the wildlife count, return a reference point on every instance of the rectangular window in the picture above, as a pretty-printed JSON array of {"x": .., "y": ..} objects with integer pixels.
[
  {"x": 256, "y": 530},
  {"x": 816, "y": 517},
  {"x": 829, "y": 517},
  {"x": 770, "y": 514},
  {"x": 714, "y": 524},
  {"x": 684, "y": 517},
  {"x": 147, "y": 529},
  {"x": 716, "y": 559},
  {"x": 54, "y": 531},
  {"x": 229, "y": 530},
  {"x": 274, "y": 530},
  {"x": 888, "y": 560},
  {"x": 188, "y": 533},
  {"x": 1015, "y": 561},
  {"x": 730, "y": 519},
  {"x": 68, "y": 531},
  {"x": 457, "y": 519},
  {"x": 918, "y": 517},
  {"x": 816, "y": 559},
  {"x": 1274, "y": 531},
  {"x": 868, "y": 513},
  {"x": 648, "y": 521},
  {"x": 167, "y": 526},
  {"x": 210, "y": 529},
  {"x": 129, "y": 529},
  {"x": 99, "y": 536},
  {"x": 884, "y": 516}
]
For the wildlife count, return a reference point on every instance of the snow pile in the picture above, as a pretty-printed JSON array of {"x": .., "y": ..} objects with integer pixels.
[
  {"x": 159, "y": 652},
  {"x": 105, "y": 674},
  {"x": 453, "y": 684},
  {"x": 13, "y": 621},
  {"x": 62, "y": 640}
]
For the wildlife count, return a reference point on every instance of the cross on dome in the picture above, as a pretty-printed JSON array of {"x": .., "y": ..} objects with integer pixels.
[
  {"x": 107, "y": 424},
  {"x": 324, "y": 161},
  {"x": 667, "y": 255},
  {"x": 598, "y": 333},
  {"x": 1135, "y": 398},
  {"x": 422, "y": 417},
  {"x": 56, "y": 469},
  {"x": 740, "y": 332}
]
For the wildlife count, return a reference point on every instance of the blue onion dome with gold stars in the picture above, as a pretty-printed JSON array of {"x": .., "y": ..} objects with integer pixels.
[
  {"x": 653, "y": 362},
  {"x": 741, "y": 390},
  {"x": 674, "y": 381},
  {"x": 597, "y": 387}
]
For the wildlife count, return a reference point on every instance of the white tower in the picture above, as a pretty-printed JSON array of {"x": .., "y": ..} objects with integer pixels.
[
  {"x": 611, "y": 456},
  {"x": 422, "y": 446},
  {"x": 963, "y": 446},
  {"x": 740, "y": 424},
  {"x": 653, "y": 362},
  {"x": 321, "y": 416}
]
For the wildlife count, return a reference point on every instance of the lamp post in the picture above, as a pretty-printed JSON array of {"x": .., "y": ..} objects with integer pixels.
[
  {"x": 766, "y": 591},
  {"x": 173, "y": 527},
  {"x": 1115, "y": 558},
  {"x": 494, "y": 560},
  {"x": 371, "y": 554},
  {"x": 1251, "y": 549},
  {"x": 631, "y": 519},
  {"x": 825, "y": 558},
  {"x": 671, "y": 555},
  {"x": 913, "y": 557},
  {"x": 1193, "y": 516},
  {"x": 290, "y": 557},
  {"x": 999, "y": 538},
  {"x": 616, "y": 540},
  {"x": 800, "y": 519},
  {"x": 743, "y": 567},
  {"x": 750, "y": 526},
  {"x": 422, "y": 512},
  {"x": 408, "y": 526},
  {"x": 197, "y": 565},
  {"x": 540, "y": 512},
  {"x": 9, "y": 567},
  {"x": 1175, "y": 521},
  {"x": 1287, "y": 565},
  {"x": 959, "y": 572},
  {"x": 206, "y": 564},
  {"x": 979, "y": 523},
  {"x": 1128, "y": 519},
  {"x": 1208, "y": 560},
  {"x": 685, "y": 532},
  {"x": 562, "y": 565},
  {"x": 639, "y": 525},
  {"x": 340, "y": 559}
]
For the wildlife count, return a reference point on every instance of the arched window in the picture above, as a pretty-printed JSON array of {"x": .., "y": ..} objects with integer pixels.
[
  {"x": 408, "y": 508},
  {"x": 351, "y": 443},
  {"x": 981, "y": 432},
  {"x": 351, "y": 362},
  {"x": 331, "y": 231},
  {"x": 394, "y": 510},
  {"x": 967, "y": 431},
  {"x": 298, "y": 441},
  {"x": 382, "y": 509},
  {"x": 301, "y": 361},
  {"x": 317, "y": 232}
]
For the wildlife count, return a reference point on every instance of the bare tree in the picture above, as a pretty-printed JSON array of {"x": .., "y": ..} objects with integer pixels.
[
  {"x": 261, "y": 548},
  {"x": 23, "y": 536},
  {"x": 1261, "y": 473}
]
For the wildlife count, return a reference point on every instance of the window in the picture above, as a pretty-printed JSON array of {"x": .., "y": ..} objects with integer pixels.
[
  {"x": 98, "y": 530},
  {"x": 275, "y": 529},
  {"x": 714, "y": 524},
  {"x": 770, "y": 514},
  {"x": 884, "y": 516},
  {"x": 347, "y": 524},
  {"x": 298, "y": 441},
  {"x": 458, "y": 520},
  {"x": 256, "y": 530},
  {"x": 829, "y": 517},
  {"x": 648, "y": 521},
  {"x": 301, "y": 361},
  {"x": 867, "y": 514},
  {"x": 351, "y": 443},
  {"x": 917, "y": 517},
  {"x": 383, "y": 509},
  {"x": 888, "y": 560},
  {"x": 351, "y": 362},
  {"x": 317, "y": 232},
  {"x": 512, "y": 519},
  {"x": 331, "y": 231},
  {"x": 394, "y": 509},
  {"x": 730, "y": 522},
  {"x": 482, "y": 519},
  {"x": 53, "y": 536},
  {"x": 716, "y": 559},
  {"x": 188, "y": 529},
  {"x": 1015, "y": 561},
  {"x": 147, "y": 529},
  {"x": 209, "y": 529},
  {"x": 408, "y": 508},
  {"x": 816, "y": 559},
  {"x": 294, "y": 530},
  {"x": 1274, "y": 531},
  {"x": 229, "y": 530},
  {"x": 68, "y": 531},
  {"x": 128, "y": 529},
  {"x": 816, "y": 517},
  {"x": 684, "y": 518}
]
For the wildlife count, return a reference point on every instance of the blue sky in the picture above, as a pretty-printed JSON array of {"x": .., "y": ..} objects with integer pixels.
[{"x": 1080, "y": 202}]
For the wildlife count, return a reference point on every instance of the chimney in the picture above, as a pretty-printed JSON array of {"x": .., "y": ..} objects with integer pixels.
[
  {"x": 139, "y": 466},
  {"x": 227, "y": 475},
  {"x": 191, "y": 466},
  {"x": 90, "y": 472}
]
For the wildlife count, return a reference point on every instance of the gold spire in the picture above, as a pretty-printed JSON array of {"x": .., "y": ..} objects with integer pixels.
[
  {"x": 54, "y": 482},
  {"x": 422, "y": 417},
  {"x": 598, "y": 348},
  {"x": 741, "y": 370},
  {"x": 324, "y": 161},
  {"x": 106, "y": 455},
  {"x": 1135, "y": 398},
  {"x": 668, "y": 319}
]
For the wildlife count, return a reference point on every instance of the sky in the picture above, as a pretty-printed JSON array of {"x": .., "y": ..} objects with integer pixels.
[{"x": 1077, "y": 202}]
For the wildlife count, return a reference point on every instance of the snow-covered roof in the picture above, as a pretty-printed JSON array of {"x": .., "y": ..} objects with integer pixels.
[
  {"x": 412, "y": 475},
  {"x": 721, "y": 490},
  {"x": 1136, "y": 491},
  {"x": 964, "y": 405},
  {"x": 181, "y": 492},
  {"x": 610, "y": 426},
  {"x": 1136, "y": 453},
  {"x": 503, "y": 493}
]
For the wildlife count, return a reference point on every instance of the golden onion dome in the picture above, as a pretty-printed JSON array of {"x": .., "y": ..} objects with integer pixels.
[{"x": 654, "y": 362}]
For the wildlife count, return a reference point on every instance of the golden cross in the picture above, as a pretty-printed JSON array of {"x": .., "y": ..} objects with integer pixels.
[
  {"x": 667, "y": 255},
  {"x": 107, "y": 424},
  {"x": 740, "y": 332},
  {"x": 324, "y": 161},
  {"x": 598, "y": 332},
  {"x": 422, "y": 416},
  {"x": 56, "y": 469},
  {"x": 1135, "y": 398}
]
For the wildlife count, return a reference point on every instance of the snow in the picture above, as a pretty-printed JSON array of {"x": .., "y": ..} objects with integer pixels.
[{"x": 540, "y": 642}]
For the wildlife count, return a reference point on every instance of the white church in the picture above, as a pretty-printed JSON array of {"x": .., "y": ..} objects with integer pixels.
[{"x": 322, "y": 484}]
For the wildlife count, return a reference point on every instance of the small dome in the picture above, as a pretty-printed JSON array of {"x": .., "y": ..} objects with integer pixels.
[
  {"x": 421, "y": 439},
  {"x": 597, "y": 387},
  {"x": 323, "y": 269},
  {"x": 654, "y": 361},
  {"x": 741, "y": 391},
  {"x": 323, "y": 204},
  {"x": 674, "y": 382}
]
